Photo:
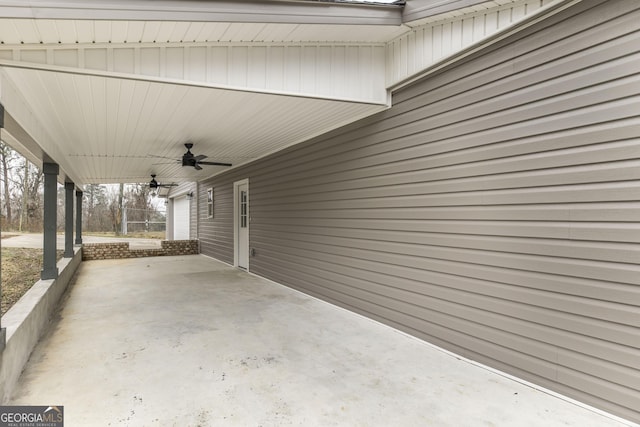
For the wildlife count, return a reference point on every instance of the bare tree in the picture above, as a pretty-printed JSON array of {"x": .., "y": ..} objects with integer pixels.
[
  {"x": 22, "y": 200},
  {"x": 97, "y": 216},
  {"x": 31, "y": 197},
  {"x": 23, "y": 210},
  {"x": 116, "y": 206},
  {"x": 7, "y": 156},
  {"x": 118, "y": 224}
]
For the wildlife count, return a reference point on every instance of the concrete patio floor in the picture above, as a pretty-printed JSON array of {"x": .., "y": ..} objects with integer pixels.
[{"x": 189, "y": 341}]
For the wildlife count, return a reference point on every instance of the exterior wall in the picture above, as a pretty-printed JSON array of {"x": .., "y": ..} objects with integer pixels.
[
  {"x": 493, "y": 210},
  {"x": 193, "y": 214},
  {"x": 216, "y": 233}
]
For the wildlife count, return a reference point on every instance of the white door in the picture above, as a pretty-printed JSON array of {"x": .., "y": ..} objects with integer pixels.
[
  {"x": 242, "y": 224},
  {"x": 181, "y": 218}
]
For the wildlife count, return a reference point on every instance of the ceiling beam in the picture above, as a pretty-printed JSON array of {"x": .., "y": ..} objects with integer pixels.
[{"x": 354, "y": 73}]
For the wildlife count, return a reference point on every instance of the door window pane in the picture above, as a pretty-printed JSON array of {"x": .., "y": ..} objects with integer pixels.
[{"x": 243, "y": 209}]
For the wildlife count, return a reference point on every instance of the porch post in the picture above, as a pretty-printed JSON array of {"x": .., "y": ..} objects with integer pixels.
[
  {"x": 68, "y": 219},
  {"x": 3, "y": 331},
  {"x": 49, "y": 270},
  {"x": 78, "y": 217}
]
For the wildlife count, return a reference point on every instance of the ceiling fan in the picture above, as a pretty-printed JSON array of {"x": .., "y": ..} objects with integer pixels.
[
  {"x": 155, "y": 184},
  {"x": 189, "y": 159}
]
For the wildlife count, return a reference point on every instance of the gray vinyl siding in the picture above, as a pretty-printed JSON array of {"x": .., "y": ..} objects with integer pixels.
[
  {"x": 494, "y": 210},
  {"x": 216, "y": 233},
  {"x": 193, "y": 212}
]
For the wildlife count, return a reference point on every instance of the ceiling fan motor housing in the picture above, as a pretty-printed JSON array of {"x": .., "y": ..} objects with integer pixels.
[{"x": 188, "y": 160}]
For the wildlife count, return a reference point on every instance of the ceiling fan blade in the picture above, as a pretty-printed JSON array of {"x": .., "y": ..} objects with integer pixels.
[
  {"x": 160, "y": 157},
  {"x": 197, "y": 167},
  {"x": 200, "y": 157},
  {"x": 165, "y": 163},
  {"x": 215, "y": 163}
]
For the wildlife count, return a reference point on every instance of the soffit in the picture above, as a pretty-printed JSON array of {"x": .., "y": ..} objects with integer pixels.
[{"x": 109, "y": 130}]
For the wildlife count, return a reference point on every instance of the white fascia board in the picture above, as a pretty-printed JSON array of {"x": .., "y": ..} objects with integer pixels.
[
  {"x": 289, "y": 12},
  {"x": 421, "y": 9}
]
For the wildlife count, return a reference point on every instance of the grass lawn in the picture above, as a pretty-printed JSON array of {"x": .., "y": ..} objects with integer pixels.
[{"x": 21, "y": 269}]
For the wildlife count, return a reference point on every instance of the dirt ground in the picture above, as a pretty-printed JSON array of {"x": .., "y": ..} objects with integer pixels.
[{"x": 20, "y": 270}]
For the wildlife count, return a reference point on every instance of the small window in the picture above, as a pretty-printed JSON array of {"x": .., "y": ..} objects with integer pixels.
[{"x": 210, "y": 203}]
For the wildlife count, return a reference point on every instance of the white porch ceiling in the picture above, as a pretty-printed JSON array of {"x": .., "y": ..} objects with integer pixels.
[{"x": 108, "y": 130}]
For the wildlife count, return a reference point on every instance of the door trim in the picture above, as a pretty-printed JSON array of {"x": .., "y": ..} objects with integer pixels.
[{"x": 236, "y": 220}]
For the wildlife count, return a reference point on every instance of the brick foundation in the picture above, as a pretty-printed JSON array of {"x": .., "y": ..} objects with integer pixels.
[{"x": 94, "y": 251}]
